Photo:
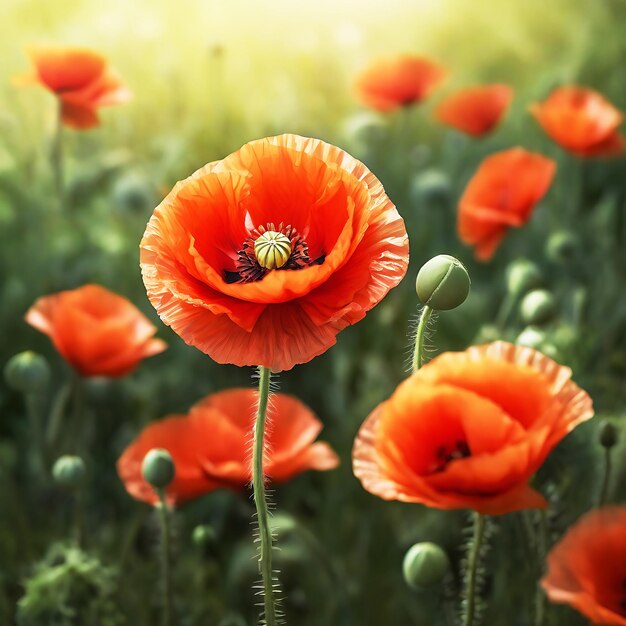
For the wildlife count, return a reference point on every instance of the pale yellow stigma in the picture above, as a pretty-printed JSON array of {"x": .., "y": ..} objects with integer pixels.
[{"x": 272, "y": 249}]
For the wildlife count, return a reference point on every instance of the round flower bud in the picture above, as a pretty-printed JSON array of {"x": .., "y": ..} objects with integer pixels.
[
  {"x": 521, "y": 276},
  {"x": 69, "y": 471},
  {"x": 537, "y": 307},
  {"x": 431, "y": 186},
  {"x": 562, "y": 247},
  {"x": 158, "y": 468},
  {"x": 203, "y": 536},
  {"x": 443, "y": 283},
  {"x": 531, "y": 337},
  {"x": 608, "y": 434},
  {"x": 425, "y": 565},
  {"x": 27, "y": 372}
]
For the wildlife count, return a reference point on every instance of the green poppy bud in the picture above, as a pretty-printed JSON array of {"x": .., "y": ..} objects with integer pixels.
[
  {"x": 537, "y": 307},
  {"x": 521, "y": 276},
  {"x": 158, "y": 468},
  {"x": 69, "y": 471},
  {"x": 432, "y": 186},
  {"x": 608, "y": 434},
  {"x": 203, "y": 536},
  {"x": 425, "y": 565},
  {"x": 443, "y": 283},
  {"x": 27, "y": 372},
  {"x": 562, "y": 247},
  {"x": 531, "y": 337}
]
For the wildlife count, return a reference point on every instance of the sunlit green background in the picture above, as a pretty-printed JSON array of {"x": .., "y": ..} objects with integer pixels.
[{"x": 207, "y": 76}]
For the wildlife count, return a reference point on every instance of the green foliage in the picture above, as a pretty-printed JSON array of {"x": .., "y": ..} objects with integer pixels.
[{"x": 70, "y": 588}]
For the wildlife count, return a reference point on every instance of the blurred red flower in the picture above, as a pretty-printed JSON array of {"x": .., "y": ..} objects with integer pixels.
[
  {"x": 469, "y": 429},
  {"x": 582, "y": 121},
  {"x": 80, "y": 78},
  {"x": 501, "y": 195},
  {"x": 211, "y": 446},
  {"x": 475, "y": 110},
  {"x": 98, "y": 332},
  {"x": 587, "y": 568},
  {"x": 391, "y": 82},
  {"x": 263, "y": 257}
]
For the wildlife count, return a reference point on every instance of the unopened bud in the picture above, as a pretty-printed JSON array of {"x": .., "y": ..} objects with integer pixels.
[
  {"x": 27, "y": 372},
  {"x": 158, "y": 468},
  {"x": 521, "y": 276},
  {"x": 562, "y": 247},
  {"x": 203, "y": 536},
  {"x": 537, "y": 307},
  {"x": 425, "y": 565},
  {"x": 531, "y": 337},
  {"x": 608, "y": 434},
  {"x": 69, "y": 471},
  {"x": 443, "y": 283}
]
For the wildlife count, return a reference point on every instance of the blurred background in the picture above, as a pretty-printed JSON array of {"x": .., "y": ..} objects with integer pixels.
[{"x": 207, "y": 77}]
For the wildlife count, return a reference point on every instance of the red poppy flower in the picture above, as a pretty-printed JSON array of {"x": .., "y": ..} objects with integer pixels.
[
  {"x": 80, "y": 78},
  {"x": 96, "y": 331},
  {"x": 582, "y": 121},
  {"x": 391, "y": 82},
  {"x": 587, "y": 568},
  {"x": 469, "y": 429},
  {"x": 475, "y": 110},
  {"x": 501, "y": 195},
  {"x": 211, "y": 445},
  {"x": 263, "y": 257}
]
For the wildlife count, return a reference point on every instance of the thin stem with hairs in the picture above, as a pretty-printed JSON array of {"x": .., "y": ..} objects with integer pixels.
[
  {"x": 260, "y": 499},
  {"x": 420, "y": 337}
]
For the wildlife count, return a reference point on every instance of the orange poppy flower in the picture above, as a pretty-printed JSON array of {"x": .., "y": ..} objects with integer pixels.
[
  {"x": 582, "y": 121},
  {"x": 391, "y": 82},
  {"x": 587, "y": 568},
  {"x": 469, "y": 429},
  {"x": 501, "y": 195},
  {"x": 96, "y": 331},
  {"x": 80, "y": 78},
  {"x": 211, "y": 445},
  {"x": 263, "y": 257},
  {"x": 475, "y": 110}
]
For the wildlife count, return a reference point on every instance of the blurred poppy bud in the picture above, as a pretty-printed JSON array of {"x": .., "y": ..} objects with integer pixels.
[
  {"x": 443, "y": 283},
  {"x": 432, "y": 186},
  {"x": 27, "y": 372},
  {"x": 203, "y": 536},
  {"x": 531, "y": 337},
  {"x": 425, "y": 565},
  {"x": 521, "y": 276},
  {"x": 69, "y": 471},
  {"x": 608, "y": 434},
  {"x": 158, "y": 468},
  {"x": 537, "y": 307},
  {"x": 562, "y": 247}
]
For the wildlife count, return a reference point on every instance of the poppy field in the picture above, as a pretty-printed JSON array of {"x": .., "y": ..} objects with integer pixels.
[{"x": 312, "y": 313}]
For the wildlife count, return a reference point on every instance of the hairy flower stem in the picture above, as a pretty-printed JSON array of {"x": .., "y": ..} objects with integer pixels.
[
  {"x": 472, "y": 570},
  {"x": 606, "y": 479},
  {"x": 260, "y": 501},
  {"x": 418, "y": 352},
  {"x": 166, "y": 557}
]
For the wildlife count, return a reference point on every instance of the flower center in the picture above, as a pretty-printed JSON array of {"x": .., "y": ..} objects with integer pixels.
[
  {"x": 446, "y": 454},
  {"x": 272, "y": 249}
]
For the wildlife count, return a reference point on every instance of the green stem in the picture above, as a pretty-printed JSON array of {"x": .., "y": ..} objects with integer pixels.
[
  {"x": 166, "y": 574},
  {"x": 260, "y": 501},
  {"x": 418, "y": 352},
  {"x": 472, "y": 570},
  {"x": 606, "y": 479},
  {"x": 33, "y": 408},
  {"x": 56, "y": 158},
  {"x": 542, "y": 549},
  {"x": 79, "y": 516},
  {"x": 57, "y": 413}
]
